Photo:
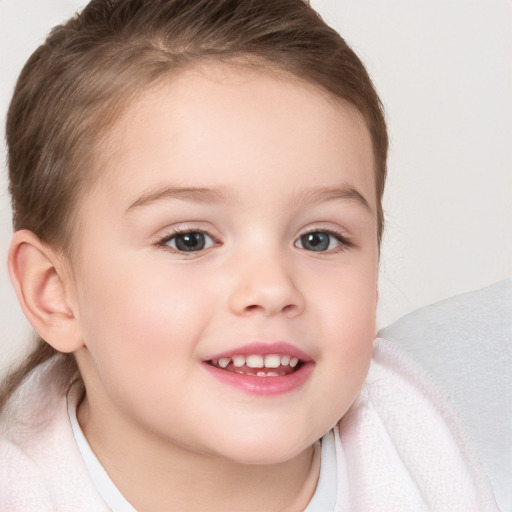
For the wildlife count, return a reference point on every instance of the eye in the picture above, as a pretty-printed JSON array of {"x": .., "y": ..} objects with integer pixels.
[
  {"x": 321, "y": 241},
  {"x": 189, "y": 241}
]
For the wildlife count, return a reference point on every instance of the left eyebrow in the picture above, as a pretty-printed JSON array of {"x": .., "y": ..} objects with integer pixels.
[
  {"x": 321, "y": 194},
  {"x": 194, "y": 194}
]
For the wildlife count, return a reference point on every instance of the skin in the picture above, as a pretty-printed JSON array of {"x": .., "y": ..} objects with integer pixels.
[{"x": 146, "y": 316}]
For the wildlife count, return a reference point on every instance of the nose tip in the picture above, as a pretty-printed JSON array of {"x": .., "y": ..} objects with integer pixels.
[{"x": 270, "y": 290}]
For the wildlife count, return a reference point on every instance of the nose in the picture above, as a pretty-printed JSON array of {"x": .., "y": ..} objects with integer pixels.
[{"x": 266, "y": 286}]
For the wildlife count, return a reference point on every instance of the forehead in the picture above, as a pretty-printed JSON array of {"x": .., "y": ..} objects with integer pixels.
[{"x": 221, "y": 124}]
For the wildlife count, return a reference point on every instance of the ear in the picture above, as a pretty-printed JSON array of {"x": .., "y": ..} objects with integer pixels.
[{"x": 43, "y": 290}]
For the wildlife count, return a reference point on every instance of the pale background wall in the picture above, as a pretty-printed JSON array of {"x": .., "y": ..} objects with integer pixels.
[{"x": 444, "y": 72}]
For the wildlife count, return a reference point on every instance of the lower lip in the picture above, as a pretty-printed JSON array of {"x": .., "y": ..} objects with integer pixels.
[{"x": 265, "y": 386}]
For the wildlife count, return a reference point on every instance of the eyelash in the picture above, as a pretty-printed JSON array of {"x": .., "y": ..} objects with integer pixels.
[
  {"x": 344, "y": 241},
  {"x": 163, "y": 242}
]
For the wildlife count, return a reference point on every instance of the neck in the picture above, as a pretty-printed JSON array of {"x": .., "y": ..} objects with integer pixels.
[{"x": 154, "y": 475}]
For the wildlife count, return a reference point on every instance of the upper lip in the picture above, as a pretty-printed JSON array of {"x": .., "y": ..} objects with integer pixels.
[{"x": 264, "y": 348}]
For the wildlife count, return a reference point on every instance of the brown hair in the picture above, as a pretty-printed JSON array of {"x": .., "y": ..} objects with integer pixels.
[{"x": 77, "y": 83}]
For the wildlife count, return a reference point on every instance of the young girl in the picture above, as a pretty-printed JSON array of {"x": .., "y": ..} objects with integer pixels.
[{"x": 197, "y": 190}]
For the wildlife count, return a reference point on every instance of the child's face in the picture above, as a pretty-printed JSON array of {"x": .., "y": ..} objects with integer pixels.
[{"x": 234, "y": 217}]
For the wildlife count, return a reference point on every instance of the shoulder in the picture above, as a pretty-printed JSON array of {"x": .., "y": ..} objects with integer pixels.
[
  {"x": 403, "y": 442},
  {"x": 22, "y": 480},
  {"x": 41, "y": 468}
]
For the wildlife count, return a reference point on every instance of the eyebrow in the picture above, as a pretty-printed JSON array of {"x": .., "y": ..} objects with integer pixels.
[
  {"x": 321, "y": 194},
  {"x": 223, "y": 194},
  {"x": 194, "y": 194}
]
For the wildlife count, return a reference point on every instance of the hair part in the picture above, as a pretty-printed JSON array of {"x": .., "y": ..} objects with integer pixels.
[{"x": 80, "y": 80}]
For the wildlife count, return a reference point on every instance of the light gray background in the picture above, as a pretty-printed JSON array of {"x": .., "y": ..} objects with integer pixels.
[{"x": 444, "y": 72}]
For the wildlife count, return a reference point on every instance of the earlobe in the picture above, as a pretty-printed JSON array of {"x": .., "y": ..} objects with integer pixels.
[{"x": 42, "y": 287}]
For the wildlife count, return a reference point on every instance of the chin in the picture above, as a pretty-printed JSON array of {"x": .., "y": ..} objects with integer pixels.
[
  {"x": 259, "y": 457},
  {"x": 265, "y": 450}
]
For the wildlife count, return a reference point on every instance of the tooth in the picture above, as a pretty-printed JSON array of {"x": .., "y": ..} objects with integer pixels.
[
  {"x": 261, "y": 374},
  {"x": 224, "y": 361},
  {"x": 272, "y": 374},
  {"x": 272, "y": 361},
  {"x": 285, "y": 360},
  {"x": 238, "y": 361},
  {"x": 254, "y": 361},
  {"x": 294, "y": 361}
]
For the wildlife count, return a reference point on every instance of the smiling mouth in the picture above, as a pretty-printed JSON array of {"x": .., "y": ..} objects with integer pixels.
[{"x": 267, "y": 365}]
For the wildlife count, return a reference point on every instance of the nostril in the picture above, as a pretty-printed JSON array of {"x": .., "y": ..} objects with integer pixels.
[{"x": 288, "y": 309}]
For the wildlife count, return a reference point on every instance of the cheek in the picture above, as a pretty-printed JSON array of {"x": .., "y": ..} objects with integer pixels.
[
  {"x": 346, "y": 299},
  {"x": 141, "y": 320},
  {"x": 348, "y": 331},
  {"x": 353, "y": 314},
  {"x": 141, "y": 330}
]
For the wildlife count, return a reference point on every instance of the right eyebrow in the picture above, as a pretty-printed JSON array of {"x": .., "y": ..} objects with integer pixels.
[{"x": 195, "y": 194}]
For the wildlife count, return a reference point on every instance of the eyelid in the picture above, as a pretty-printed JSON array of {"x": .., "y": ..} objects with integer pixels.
[
  {"x": 340, "y": 235},
  {"x": 162, "y": 239}
]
